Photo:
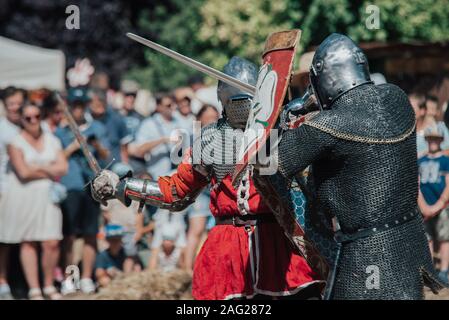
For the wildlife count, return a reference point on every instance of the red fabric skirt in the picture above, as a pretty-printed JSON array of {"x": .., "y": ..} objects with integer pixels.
[{"x": 234, "y": 262}]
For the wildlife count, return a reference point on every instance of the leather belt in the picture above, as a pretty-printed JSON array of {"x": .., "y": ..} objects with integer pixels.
[
  {"x": 341, "y": 237},
  {"x": 344, "y": 238},
  {"x": 245, "y": 220}
]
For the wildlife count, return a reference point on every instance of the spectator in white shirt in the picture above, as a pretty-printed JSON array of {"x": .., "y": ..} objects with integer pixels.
[
  {"x": 13, "y": 98},
  {"x": 153, "y": 141}
]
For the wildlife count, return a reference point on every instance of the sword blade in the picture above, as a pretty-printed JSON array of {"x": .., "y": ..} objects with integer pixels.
[
  {"x": 194, "y": 64},
  {"x": 93, "y": 164}
]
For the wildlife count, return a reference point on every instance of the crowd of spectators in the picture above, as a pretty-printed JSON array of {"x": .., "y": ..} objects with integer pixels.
[
  {"x": 49, "y": 217},
  {"x": 46, "y": 211}
]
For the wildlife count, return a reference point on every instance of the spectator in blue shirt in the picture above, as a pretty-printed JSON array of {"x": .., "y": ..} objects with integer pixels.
[
  {"x": 434, "y": 195},
  {"x": 110, "y": 262},
  {"x": 117, "y": 132},
  {"x": 80, "y": 212},
  {"x": 133, "y": 120}
]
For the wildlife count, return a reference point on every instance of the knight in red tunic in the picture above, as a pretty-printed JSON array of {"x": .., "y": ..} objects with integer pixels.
[{"x": 246, "y": 253}]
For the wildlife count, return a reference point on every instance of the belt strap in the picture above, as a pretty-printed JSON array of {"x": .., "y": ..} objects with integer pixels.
[
  {"x": 341, "y": 237},
  {"x": 245, "y": 220},
  {"x": 144, "y": 193}
]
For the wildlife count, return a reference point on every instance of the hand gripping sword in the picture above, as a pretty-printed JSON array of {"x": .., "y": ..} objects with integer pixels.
[{"x": 195, "y": 64}]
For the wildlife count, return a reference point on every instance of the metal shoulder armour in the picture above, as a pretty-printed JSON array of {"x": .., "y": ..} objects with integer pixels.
[
  {"x": 338, "y": 66},
  {"x": 368, "y": 114}
]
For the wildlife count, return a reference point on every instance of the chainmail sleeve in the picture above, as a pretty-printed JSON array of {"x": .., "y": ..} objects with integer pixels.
[{"x": 300, "y": 147}]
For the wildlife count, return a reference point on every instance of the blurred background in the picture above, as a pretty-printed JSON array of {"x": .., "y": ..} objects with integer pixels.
[
  {"x": 411, "y": 41},
  {"x": 128, "y": 99}
]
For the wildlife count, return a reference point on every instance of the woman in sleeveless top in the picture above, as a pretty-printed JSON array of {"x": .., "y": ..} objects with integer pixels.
[{"x": 27, "y": 213}]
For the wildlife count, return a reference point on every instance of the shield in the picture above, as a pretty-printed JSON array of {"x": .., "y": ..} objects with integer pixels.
[
  {"x": 310, "y": 234},
  {"x": 272, "y": 84}
]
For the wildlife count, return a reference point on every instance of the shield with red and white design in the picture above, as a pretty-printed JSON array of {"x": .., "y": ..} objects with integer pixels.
[{"x": 271, "y": 87}]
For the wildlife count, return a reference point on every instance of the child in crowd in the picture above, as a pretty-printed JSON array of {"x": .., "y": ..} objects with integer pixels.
[
  {"x": 132, "y": 223},
  {"x": 110, "y": 262},
  {"x": 168, "y": 245},
  {"x": 434, "y": 195}
]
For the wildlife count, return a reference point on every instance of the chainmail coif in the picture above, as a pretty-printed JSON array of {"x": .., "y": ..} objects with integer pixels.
[{"x": 218, "y": 148}]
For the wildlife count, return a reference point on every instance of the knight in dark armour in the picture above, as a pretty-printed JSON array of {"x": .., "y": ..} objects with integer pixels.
[{"x": 361, "y": 149}]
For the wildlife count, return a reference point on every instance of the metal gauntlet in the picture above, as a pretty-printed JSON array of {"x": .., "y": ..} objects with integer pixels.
[{"x": 297, "y": 108}]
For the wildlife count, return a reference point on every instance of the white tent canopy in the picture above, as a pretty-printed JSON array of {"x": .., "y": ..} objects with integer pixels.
[{"x": 30, "y": 67}]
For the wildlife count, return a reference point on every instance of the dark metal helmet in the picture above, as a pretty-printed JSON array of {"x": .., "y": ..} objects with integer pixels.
[
  {"x": 338, "y": 66},
  {"x": 237, "y": 103}
]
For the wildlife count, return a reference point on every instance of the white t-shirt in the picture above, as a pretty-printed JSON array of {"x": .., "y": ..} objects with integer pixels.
[
  {"x": 164, "y": 219},
  {"x": 8, "y": 131},
  {"x": 158, "y": 161},
  {"x": 185, "y": 122},
  {"x": 169, "y": 263}
]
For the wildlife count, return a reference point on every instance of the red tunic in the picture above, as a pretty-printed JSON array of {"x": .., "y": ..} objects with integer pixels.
[{"x": 234, "y": 261}]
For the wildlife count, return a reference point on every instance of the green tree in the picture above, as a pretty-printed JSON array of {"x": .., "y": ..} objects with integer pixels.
[
  {"x": 173, "y": 24},
  {"x": 212, "y": 31},
  {"x": 405, "y": 20},
  {"x": 241, "y": 27}
]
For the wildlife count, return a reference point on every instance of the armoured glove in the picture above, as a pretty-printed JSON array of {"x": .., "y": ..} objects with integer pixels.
[
  {"x": 104, "y": 186},
  {"x": 297, "y": 108}
]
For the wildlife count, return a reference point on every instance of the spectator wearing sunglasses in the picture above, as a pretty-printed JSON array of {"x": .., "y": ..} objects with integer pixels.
[{"x": 28, "y": 214}]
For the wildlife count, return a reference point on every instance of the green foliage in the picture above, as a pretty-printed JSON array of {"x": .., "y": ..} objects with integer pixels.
[
  {"x": 405, "y": 20},
  {"x": 212, "y": 31},
  {"x": 241, "y": 27},
  {"x": 175, "y": 26}
]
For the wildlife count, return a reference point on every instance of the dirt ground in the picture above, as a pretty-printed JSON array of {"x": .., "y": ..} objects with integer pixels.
[
  {"x": 176, "y": 285},
  {"x": 442, "y": 295},
  {"x": 146, "y": 285}
]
